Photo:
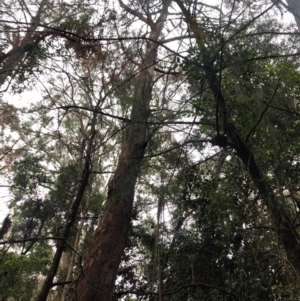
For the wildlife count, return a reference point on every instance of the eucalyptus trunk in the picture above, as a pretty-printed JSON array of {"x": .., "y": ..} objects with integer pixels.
[{"x": 101, "y": 265}]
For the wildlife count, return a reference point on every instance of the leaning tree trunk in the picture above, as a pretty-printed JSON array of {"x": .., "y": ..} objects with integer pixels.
[
  {"x": 100, "y": 268},
  {"x": 61, "y": 244},
  {"x": 71, "y": 218},
  {"x": 284, "y": 228}
]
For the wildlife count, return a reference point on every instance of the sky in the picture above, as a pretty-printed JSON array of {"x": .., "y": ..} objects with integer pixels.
[{"x": 27, "y": 98}]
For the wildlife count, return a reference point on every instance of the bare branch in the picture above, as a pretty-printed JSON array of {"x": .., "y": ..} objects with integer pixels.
[
  {"x": 263, "y": 112},
  {"x": 127, "y": 120},
  {"x": 133, "y": 12},
  {"x": 168, "y": 293}
]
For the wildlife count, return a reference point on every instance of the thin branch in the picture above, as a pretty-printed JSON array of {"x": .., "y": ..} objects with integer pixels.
[
  {"x": 16, "y": 241},
  {"x": 263, "y": 112},
  {"x": 61, "y": 283},
  {"x": 127, "y": 120},
  {"x": 168, "y": 72},
  {"x": 179, "y": 145},
  {"x": 284, "y": 110},
  {"x": 270, "y": 32},
  {"x": 76, "y": 37},
  {"x": 133, "y": 12},
  {"x": 96, "y": 111},
  {"x": 272, "y": 56},
  {"x": 9, "y": 150},
  {"x": 180, "y": 38},
  {"x": 252, "y": 20},
  {"x": 260, "y": 227},
  {"x": 168, "y": 293}
]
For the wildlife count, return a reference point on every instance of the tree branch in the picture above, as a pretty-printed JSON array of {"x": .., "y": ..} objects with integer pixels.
[
  {"x": 127, "y": 120},
  {"x": 283, "y": 110},
  {"x": 133, "y": 12},
  {"x": 16, "y": 241},
  {"x": 263, "y": 113},
  {"x": 168, "y": 293}
]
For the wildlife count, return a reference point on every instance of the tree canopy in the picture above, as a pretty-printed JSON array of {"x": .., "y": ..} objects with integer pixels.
[{"x": 151, "y": 150}]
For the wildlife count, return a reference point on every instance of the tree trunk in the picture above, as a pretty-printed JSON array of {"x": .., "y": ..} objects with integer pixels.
[
  {"x": 284, "y": 228},
  {"x": 287, "y": 234},
  {"x": 101, "y": 265},
  {"x": 61, "y": 244},
  {"x": 71, "y": 218}
]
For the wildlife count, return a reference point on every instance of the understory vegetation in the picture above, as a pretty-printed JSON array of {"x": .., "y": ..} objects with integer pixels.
[{"x": 150, "y": 150}]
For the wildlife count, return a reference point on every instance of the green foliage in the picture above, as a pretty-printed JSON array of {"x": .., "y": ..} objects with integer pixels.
[
  {"x": 20, "y": 275},
  {"x": 200, "y": 229},
  {"x": 29, "y": 173}
]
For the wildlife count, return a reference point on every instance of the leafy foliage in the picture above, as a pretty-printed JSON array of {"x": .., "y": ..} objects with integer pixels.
[{"x": 203, "y": 224}]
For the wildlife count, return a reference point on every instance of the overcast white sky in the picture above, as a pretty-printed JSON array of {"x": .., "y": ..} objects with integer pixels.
[{"x": 29, "y": 97}]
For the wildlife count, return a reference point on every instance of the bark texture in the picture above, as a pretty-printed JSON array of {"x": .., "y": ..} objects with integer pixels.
[
  {"x": 5, "y": 226},
  {"x": 101, "y": 265}
]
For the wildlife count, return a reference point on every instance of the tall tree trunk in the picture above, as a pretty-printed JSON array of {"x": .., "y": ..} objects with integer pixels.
[
  {"x": 284, "y": 228},
  {"x": 287, "y": 234},
  {"x": 71, "y": 219},
  {"x": 101, "y": 265}
]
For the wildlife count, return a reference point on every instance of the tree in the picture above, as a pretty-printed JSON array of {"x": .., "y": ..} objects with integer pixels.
[
  {"x": 110, "y": 236},
  {"x": 182, "y": 129},
  {"x": 283, "y": 224}
]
